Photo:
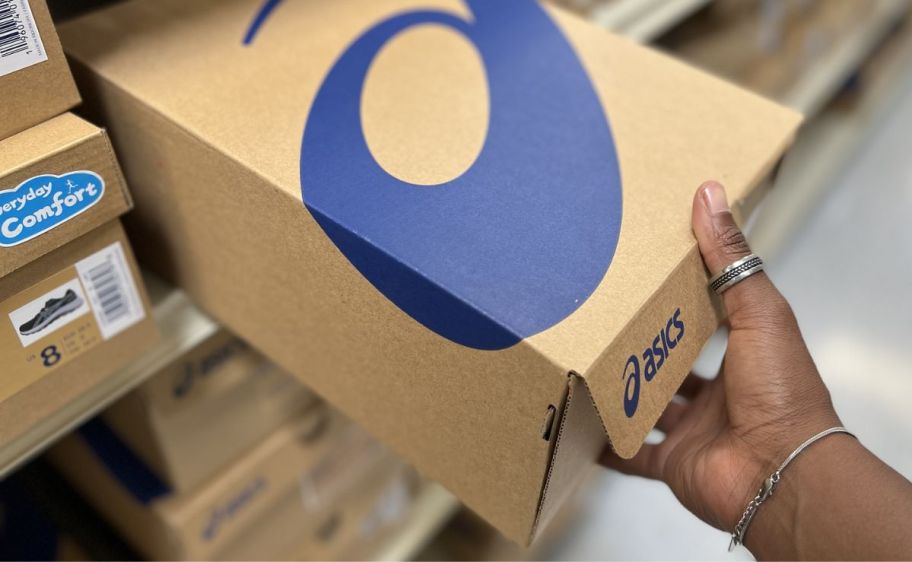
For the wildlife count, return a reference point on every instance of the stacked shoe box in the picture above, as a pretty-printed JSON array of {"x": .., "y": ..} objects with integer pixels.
[
  {"x": 205, "y": 409},
  {"x": 223, "y": 456},
  {"x": 73, "y": 309}
]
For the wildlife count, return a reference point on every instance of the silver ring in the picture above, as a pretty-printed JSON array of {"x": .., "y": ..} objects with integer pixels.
[{"x": 735, "y": 273}]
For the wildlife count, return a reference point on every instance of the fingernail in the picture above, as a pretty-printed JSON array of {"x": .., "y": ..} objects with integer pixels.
[{"x": 714, "y": 198}]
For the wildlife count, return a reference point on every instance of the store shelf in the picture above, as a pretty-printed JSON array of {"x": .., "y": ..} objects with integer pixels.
[
  {"x": 824, "y": 147},
  {"x": 182, "y": 326},
  {"x": 644, "y": 20},
  {"x": 816, "y": 88},
  {"x": 433, "y": 508}
]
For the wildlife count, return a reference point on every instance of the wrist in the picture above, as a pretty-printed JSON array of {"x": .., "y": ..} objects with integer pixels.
[
  {"x": 776, "y": 531},
  {"x": 763, "y": 452}
]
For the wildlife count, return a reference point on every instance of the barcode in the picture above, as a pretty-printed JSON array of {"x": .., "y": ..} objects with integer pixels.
[
  {"x": 112, "y": 293},
  {"x": 107, "y": 286},
  {"x": 13, "y": 37}
]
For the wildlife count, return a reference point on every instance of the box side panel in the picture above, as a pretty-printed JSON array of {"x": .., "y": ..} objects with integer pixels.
[
  {"x": 254, "y": 258},
  {"x": 207, "y": 519},
  {"x": 199, "y": 442},
  {"x": 39, "y": 92},
  {"x": 637, "y": 376},
  {"x": 580, "y": 439},
  {"x": 52, "y": 178},
  {"x": 41, "y": 398},
  {"x": 132, "y": 422},
  {"x": 301, "y": 519}
]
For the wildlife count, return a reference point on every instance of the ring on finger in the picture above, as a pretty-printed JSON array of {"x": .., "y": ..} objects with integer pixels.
[{"x": 735, "y": 273}]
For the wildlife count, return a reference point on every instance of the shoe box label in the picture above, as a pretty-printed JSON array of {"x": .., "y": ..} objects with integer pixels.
[
  {"x": 20, "y": 42},
  {"x": 65, "y": 315},
  {"x": 44, "y": 202}
]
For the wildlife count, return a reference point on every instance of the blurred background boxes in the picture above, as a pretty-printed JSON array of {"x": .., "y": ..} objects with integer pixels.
[
  {"x": 345, "y": 523},
  {"x": 162, "y": 524},
  {"x": 205, "y": 409}
]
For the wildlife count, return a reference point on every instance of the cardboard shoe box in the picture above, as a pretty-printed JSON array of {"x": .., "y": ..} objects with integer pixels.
[
  {"x": 342, "y": 523},
  {"x": 205, "y": 409},
  {"x": 165, "y": 525},
  {"x": 493, "y": 268},
  {"x": 35, "y": 80},
  {"x": 72, "y": 305}
]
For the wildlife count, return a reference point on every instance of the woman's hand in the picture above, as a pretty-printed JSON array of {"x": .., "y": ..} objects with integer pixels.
[
  {"x": 836, "y": 500},
  {"x": 730, "y": 433}
]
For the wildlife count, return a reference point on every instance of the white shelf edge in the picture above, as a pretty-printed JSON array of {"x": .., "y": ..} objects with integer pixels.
[
  {"x": 644, "y": 20},
  {"x": 810, "y": 94},
  {"x": 181, "y": 325},
  {"x": 820, "y": 153},
  {"x": 662, "y": 18}
]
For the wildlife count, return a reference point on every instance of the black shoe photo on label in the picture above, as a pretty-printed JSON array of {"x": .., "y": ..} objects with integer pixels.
[{"x": 53, "y": 309}]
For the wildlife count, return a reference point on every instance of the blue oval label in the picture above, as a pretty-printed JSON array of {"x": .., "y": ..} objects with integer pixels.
[{"x": 43, "y": 202}]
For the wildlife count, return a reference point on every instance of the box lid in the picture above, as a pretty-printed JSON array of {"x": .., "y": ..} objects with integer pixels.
[
  {"x": 58, "y": 180},
  {"x": 504, "y": 172}
]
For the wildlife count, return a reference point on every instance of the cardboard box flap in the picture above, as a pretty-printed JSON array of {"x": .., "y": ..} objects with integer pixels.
[
  {"x": 58, "y": 180},
  {"x": 579, "y": 441}
]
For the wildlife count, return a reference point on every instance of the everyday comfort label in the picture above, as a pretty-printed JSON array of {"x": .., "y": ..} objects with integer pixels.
[
  {"x": 65, "y": 315},
  {"x": 44, "y": 202},
  {"x": 20, "y": 42}
]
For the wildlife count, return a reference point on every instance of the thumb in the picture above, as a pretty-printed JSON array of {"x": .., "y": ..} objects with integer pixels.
[{"x": 721, "y": 243}]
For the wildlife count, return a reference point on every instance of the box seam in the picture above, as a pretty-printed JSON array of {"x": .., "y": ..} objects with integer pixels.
[{"x": 552, "y": 457}]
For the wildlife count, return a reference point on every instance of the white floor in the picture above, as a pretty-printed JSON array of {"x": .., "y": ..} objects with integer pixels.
[{"x": 848, "y": 274}]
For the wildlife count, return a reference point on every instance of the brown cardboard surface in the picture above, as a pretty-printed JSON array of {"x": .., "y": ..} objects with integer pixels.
[
  {"x": 39, "y": 92},
  {"x": 197, "y": 525},
  {"x": 62, "y": 145},
  {"x": 205, "y": 409},
  {"x": 191, "y": 134},
  {"x": 50, "y": 389}
]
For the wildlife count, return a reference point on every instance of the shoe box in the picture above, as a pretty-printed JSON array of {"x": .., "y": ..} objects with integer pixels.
[
  {"x": 201, "y": 524},
  {"x": 349, "y": 523},
  {"x": 35, "y": 81},
  {"x": 205, "y": 409},
  {"x": 473, "y": 237},
  {"x": 73, "y": 308}
]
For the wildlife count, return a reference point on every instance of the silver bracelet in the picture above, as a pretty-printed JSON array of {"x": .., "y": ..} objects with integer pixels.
[{"x": 766, "y": 490}]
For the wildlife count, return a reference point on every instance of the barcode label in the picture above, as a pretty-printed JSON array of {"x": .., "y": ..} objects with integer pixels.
[
  {"x": 20, "y": 42},
  {"x": 111, "y": 290}
]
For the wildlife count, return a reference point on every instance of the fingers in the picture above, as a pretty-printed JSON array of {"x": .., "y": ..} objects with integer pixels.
[
  {"x": 721, "y": 243},
  {"x": 693, "y": 384},
  {"x": 646, "y": 463},
  {"x": 669, "y": 419}
]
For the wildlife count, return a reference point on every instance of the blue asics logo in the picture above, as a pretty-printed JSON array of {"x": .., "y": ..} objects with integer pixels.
[
  {"x": 40, "y": 203},
  {"x": 523, "y": 237},
  {"x": 654, "y": 357}
]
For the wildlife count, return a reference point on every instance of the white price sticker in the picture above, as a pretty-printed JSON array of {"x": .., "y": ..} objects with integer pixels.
[
  {"x": 111, "y": 290},
  {"x": 20, "y": 42}
]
